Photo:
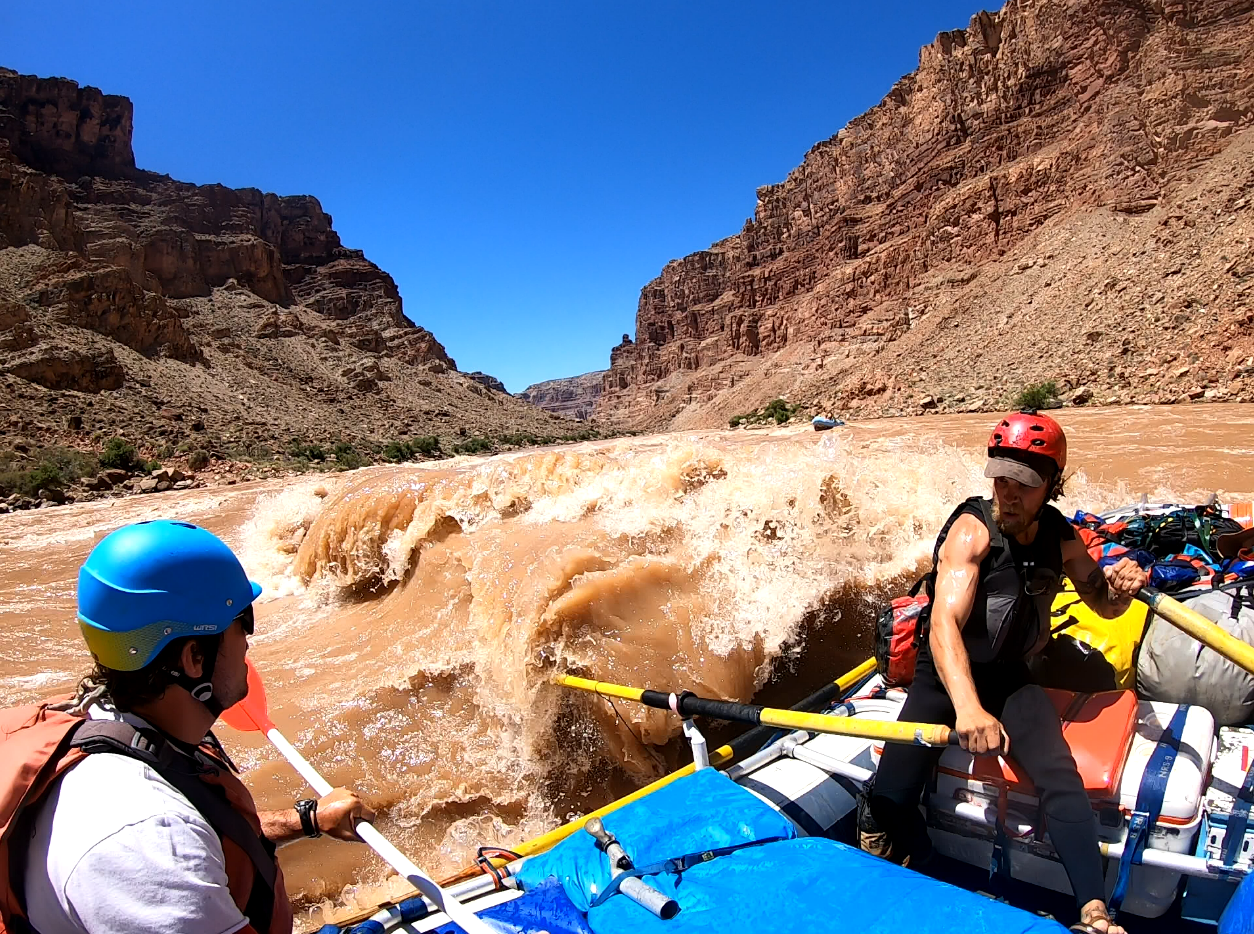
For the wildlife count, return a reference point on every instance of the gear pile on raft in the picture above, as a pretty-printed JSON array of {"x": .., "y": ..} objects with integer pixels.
[{"x": 1057, "y": 722}]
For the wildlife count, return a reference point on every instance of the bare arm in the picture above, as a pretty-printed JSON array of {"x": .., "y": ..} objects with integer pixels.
[
  {"x": 1107, "y": 592},
  {"x": 337, "y": 813},
  {"x": 280, "y": 827},
  {"x": 957, "y": 578}
]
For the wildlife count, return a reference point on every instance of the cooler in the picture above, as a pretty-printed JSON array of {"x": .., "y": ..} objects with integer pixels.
[
  {"x": 1232, "y": 782},
  {"x": 1232, "y": 779},
  {"x": 1111, "y": 736}
]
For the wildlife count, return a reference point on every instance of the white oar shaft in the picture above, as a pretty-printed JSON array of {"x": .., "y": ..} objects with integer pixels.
[
  {"x": 457, "y": 912},
  {"x": 299, "y": 762}
]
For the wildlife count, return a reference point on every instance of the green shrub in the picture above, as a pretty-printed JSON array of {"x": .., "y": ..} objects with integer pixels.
[
  {"x": 427, "y": 445},
  {"x": 43, "y": 476},
  {"x": 779, "y": 410},
  {"x": 473, "y": 445},
  {"x": 1037, "y": 396},
  {"x": 347, "y": 457},
  {"x": 399, "y": 451},
  {"x": 119, "y": 454},
  {"x": 48, "y": 468},
  {"x": 298, "y": 449},
  {"x": 198, "y": 460},
  {"x": 519, "y": 439}
]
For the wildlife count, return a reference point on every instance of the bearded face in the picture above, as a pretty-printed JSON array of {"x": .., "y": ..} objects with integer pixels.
[{"x": 1016, "y": 506}]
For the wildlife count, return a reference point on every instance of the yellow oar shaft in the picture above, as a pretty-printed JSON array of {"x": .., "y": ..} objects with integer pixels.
[
  {"x": 928, "y": 734},
  {"x": 717, "y": 757},
  {"x": 1200, "y": 628}
]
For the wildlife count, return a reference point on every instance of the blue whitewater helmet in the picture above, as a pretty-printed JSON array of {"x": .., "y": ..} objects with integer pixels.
[{"x": 147, "y": 584}]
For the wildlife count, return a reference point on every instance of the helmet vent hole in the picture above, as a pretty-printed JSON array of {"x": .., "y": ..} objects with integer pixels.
[{"x": 184, "y": 525}]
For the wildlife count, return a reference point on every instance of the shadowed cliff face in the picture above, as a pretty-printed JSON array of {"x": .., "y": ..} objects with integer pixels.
[
  {"x": 56, "y": 126},
  {"x": 127, "y": 297},
  {"x": 1037, "y": 117},
  {"x": 72, "y": 186},
  {"x": 574, "y": 396}
]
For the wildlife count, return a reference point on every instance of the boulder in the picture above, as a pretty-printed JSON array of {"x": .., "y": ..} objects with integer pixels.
[{"x": 148, "y": 485}]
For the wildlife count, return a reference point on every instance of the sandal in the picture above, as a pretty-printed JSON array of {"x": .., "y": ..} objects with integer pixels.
[{"x": 1086, "y": 927}]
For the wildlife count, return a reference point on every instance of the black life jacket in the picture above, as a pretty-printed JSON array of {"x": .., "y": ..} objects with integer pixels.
[{"x": 1005, "y": 620}]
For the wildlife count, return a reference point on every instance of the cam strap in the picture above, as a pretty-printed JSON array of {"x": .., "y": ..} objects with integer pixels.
[
  {"x": 999, "y": 859},
  {"x": 676, "y": 865},
  {"x": 1238, "y": 819},
  {"x": 1149, "y": 803},
  {"x": 183, "y": 771}
]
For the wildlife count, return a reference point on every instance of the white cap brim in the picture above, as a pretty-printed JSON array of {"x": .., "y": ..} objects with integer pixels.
[{"x": 1014, "y": 470}]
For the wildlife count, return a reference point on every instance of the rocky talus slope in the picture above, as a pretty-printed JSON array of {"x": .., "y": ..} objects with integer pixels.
[
  {"x": 574, "y": 396},
  {"x": 189, "y": 316},
  {"x": 1063, "y": 190}
]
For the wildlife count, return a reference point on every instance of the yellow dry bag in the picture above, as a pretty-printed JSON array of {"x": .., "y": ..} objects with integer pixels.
[{"x": 1116, "y": 638}]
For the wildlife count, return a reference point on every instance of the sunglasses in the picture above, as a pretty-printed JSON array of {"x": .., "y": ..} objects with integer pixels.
[{"x": 246, "y": 620}]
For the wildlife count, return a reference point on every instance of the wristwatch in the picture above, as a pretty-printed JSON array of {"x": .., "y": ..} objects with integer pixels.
[{"x": 307, "y": 809}]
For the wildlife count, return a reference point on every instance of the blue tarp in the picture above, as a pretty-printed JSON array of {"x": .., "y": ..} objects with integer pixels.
[
  {"x": 793, "y": 885},
  {"x": 704, "y": 811},
  {"x": 543, "y": 908},
  {"x": 1238, "y": 917}
]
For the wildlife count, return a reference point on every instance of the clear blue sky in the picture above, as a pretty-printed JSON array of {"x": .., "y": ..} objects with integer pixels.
[{"x": 521, "y": 169}]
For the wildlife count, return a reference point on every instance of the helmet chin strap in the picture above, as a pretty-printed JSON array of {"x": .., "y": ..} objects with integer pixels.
[{"x": 201, "y": 688}]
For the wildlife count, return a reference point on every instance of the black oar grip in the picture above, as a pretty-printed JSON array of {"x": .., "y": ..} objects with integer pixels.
[
  {"x": 655, "y": 699},
  {"x": 688, "y": 704}
]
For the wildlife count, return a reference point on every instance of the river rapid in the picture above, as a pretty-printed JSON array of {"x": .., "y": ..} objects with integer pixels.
[{"x": 412, "y": 615}]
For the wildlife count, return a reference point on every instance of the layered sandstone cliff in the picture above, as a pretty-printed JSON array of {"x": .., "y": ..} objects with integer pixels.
[
  {"x": 125, "y": 294},
  {"x": 1047, "y": 197},
  {"x": 573, "y": 396}
]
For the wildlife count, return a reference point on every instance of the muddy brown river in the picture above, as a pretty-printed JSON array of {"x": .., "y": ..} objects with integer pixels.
[{"x": 412, "y": 615}]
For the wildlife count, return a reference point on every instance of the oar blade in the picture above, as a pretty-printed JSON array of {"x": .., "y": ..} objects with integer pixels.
[{"x": 252, "y": 714}]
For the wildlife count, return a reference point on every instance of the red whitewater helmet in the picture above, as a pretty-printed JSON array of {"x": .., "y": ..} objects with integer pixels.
[{"x": 1027, "y": 447}]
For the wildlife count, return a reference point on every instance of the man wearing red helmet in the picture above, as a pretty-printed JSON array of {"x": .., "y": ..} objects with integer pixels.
[{"x": 996, "y": 570}]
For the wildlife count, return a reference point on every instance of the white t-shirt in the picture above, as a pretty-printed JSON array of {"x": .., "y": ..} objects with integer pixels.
[{"x": 117, "y": 848}]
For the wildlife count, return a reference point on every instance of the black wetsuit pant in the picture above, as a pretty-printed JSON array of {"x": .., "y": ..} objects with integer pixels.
[{"x": 1036, "y": 744}]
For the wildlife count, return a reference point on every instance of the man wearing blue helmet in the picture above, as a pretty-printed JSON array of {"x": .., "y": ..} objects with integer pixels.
[{"x": 161, "y": 835}]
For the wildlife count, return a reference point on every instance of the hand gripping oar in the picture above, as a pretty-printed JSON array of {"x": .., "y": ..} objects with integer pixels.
[
  {"x": 1200, "y": 628},
  {"x": 252, "y": 715},
  {"x": 687, "y": 705}
]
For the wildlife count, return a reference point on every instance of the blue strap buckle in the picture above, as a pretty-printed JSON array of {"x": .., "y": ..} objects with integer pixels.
[{"x": 1149, "y": 803}]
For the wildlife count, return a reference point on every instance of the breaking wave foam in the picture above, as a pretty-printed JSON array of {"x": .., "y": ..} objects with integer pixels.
[{"x": 444, "y": 598}]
